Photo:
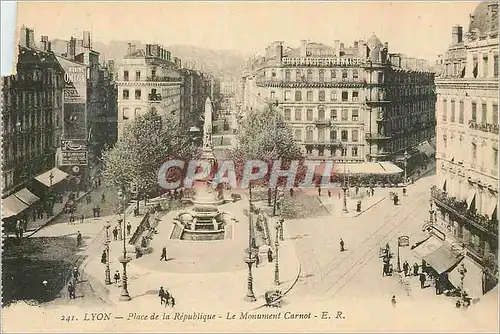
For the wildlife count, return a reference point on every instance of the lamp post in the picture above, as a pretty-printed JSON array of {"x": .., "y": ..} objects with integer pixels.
[
  {"x": 405, "y": 157},
  {"x": 276, "y": 264},
  {"x": 344, "y": 189},
  {"x": 250, "y": 296},
  {"x": 107, "y": 242},
  {"x": 124, "y": 296}
]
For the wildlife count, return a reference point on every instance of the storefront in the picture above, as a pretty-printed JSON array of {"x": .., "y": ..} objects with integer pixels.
[
  {"x": 50, "y": 187},
  {"x": 31, "y": 200},
  {"x": 12, "y": 210}
]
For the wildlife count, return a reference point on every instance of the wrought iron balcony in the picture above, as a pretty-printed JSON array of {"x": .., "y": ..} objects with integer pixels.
[
  {"x": 486, "y": 127},
  {"x": 164, "y": 79},
  {"x": 376, "y": 136},
  {"x": 460, "y": 209},
  {"x": 324, "y": 122}
]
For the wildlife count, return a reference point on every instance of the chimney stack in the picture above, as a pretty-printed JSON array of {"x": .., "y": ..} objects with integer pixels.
[
  {"x": 337, "y": 48},
  {"x": 44, "y": 43},
  {"x": 87, "y": 43},
  {"x": 31, "y": 38},
  {"x": 303, "y": 48},
  {"x": 72, "y": 47},
  {"x": 456, "y": 34},
  {"x": 279, "y": 52}
]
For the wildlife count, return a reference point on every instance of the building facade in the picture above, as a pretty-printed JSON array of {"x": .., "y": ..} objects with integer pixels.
[
  {"x": 466, "y": 194},
  {"x": 351, "y": 104},
  {"x": 32, "y": 102},
  {"x": 148, "y": 79}
]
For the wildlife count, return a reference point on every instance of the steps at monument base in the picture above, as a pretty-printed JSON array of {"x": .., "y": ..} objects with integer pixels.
[
  {"x": 203, "y": 235},
  {"x": 204, "y": 226}
]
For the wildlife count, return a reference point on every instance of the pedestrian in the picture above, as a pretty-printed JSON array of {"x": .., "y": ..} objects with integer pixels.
[
  {"x": 222, "y": 140},
  {"x": 319, "y": 191},
  {"x": 116, "y": 276},
  {"x": 404, "y": 191},
  {"x": 78, "y": 239},
  {"x": 166, "y": 298},
  {"x": 82, "y": 218},
  {"x": 373, "y": 191},
  {"x": 115, "y": 233},
  {"x": 76, "y": 274},
  {"x": 269, "y": 255},
  {"x": 406, "y": 268},
  {"x": 161, "y": 294},
  {"x": 357, "y": 190},
  {"x": 98, "y": 209},
  {"x": 415, "y": 269},
  {"x": 393, "y": 301},
  {"x": 129, "y": 227},
  {"x": 164, "y": 253},
  {"x": 291, "y": 192},
  {"x": 94, "y": 210},
  {"x": 342, "y": 245},
  {"x": 281, "y": 229},
  {"x": 437, "y": 285},
  {"x": 71, "y": 291},
  {"x": 103, "y": 198},
  {"x": 422, "y": 280},
  {"x": 103, "y": 257},
  {"x": 71, "y": 218},
  {"x": 329, "y": 193}
]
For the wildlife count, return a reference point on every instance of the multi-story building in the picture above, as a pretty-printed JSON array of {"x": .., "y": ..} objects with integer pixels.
[
  {"x": 31, "y": 117},
  {"x": 148, "y": 79},
  {"x": 351, "y": 104},
  {"x": 467, "y": 134},
  {"x": 86, "y": 116}
]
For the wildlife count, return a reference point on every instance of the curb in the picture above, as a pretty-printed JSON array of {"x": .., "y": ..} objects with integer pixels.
[{"x": 54, "y": 217}]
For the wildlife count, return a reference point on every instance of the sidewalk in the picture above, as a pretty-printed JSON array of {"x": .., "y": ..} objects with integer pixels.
[{"x": 207, "y": 290}]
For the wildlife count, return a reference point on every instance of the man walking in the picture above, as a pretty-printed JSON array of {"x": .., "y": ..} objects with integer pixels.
[
  {"x": 161, "y": 294},
  {"x": 116, "y": 276},
  {"x": 78, "y": 239},
  {"x": 422, "y": 280},
  {"x": 82, "y": 218},
  {"x": 342, "y": 245},
  {"x": 71, "y": 291},
  {"x": 163, "y": 254},
  {"x": 115, "y": 233},
  {"x": 129, "y": 227},
  {"x": 76, "y": 274},
  {"x": 406, "y": 268}
]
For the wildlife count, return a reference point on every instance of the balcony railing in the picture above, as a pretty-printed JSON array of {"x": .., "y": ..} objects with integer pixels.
[
  {"x": 460, "y": 208},
  {"x": 323, "y": 121},
  {"x": 486, "y": 127},
  {"x": 376, "y": 136},
  {"x": 304, "y": 82},
  {"x": 322, "y": 61},
  {"x": 164, "y": 79}
]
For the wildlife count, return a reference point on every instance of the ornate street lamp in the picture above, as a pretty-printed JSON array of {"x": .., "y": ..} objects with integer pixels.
[
  {"x": 344, "y": 189},
  {"x": 124, "y": 296},
  {"x": 107, "y": 242},
  {"x": 276, "y": 265},
  {"x": 405, "y": 157},
  {"x": 250, "y": 296}
]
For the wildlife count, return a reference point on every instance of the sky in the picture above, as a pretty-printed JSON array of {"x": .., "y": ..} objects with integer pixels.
[{"x": 417, "y": 29}]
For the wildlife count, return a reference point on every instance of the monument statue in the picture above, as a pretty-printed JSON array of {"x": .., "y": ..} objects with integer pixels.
[{"x": 207, "y": 151}]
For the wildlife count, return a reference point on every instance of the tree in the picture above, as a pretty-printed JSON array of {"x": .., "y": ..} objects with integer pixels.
[
  {"x": 266, "y": 136},
  {"x": 147, "y": 142}
]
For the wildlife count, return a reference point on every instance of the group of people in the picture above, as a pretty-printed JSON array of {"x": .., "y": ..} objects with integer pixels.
[
  {"x": 72, "y": 283},
  {"x": 166, "y": 298}
]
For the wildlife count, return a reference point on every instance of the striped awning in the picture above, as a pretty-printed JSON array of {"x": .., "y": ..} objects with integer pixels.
[
  {"x": 26, "y": 196},
  {"x": 368, "y": 168},
  {"x": 12, "y": 206},
  {"x": 52, "y": 177}
]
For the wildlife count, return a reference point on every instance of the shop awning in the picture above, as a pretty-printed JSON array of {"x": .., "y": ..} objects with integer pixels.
[
  {"x": 427, "y": 247},
  {"x": 362, "y": 168},
  {"x": 426, "y": 148},
  {"x": 26, "y": 196},
  {"x": 12, "y": 206},
  {"x": 470, "y": 198},
  {"x": 493, "y": 208},
  {"x": 326, "y": 167},
  {"x": 442, "y": 259},
  {"x": 52, "y": 177},
  {"x": 390, "y": 168},
  {"x": 473, "y": 281}
]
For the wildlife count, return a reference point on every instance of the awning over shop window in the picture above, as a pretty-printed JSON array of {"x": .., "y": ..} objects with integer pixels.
[
  {"x": 26, "y": 196},
  {"x": 442, "y": 259},
  {"x": 473, "y": 282},
  {"x": 52, "y": 177},
  {"x": 427, "y": 149},
  {"x": 368, "y": 168},
  {"x": 427, "y": 247},
  {"x": 470, "y": 198},
  {"x": 12, "y": 206},
  {"x": 390, "y": 168}
]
